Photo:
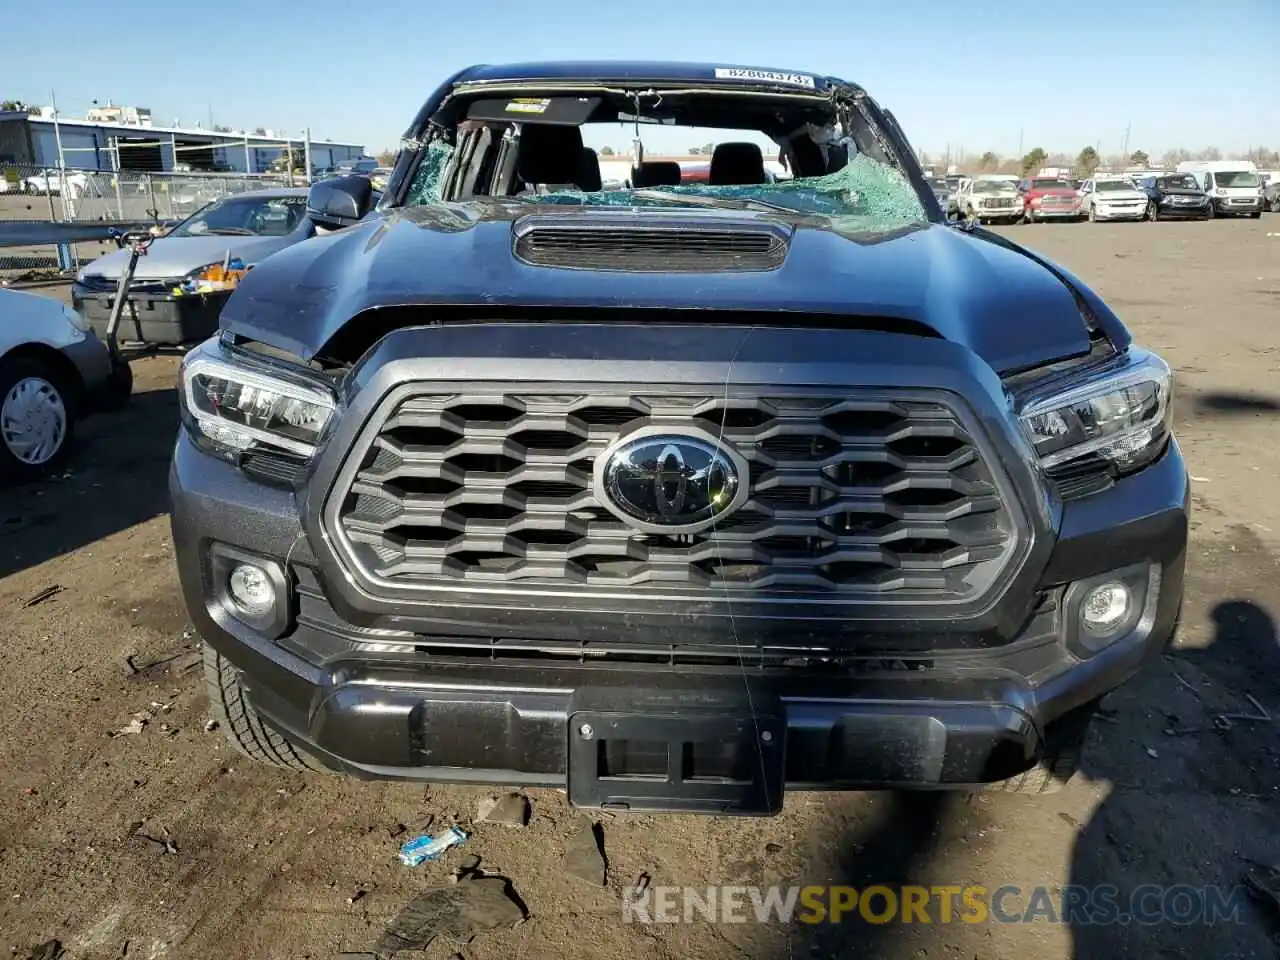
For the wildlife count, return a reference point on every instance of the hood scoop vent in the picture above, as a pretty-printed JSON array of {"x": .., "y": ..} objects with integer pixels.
[{"x": 678, "y": 245}]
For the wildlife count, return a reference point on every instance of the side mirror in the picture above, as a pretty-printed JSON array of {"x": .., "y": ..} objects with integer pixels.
[{"x": 340, "y": 202}]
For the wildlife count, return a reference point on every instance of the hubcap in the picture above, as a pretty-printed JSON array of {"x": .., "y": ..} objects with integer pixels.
[{"x": 33, "y": 421}]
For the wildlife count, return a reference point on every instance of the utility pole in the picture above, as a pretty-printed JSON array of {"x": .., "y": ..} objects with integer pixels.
[
  {"x": 1019, "y": 143},
  {"x": 62, "y": 166},
  {"x": 1124, "y": 150},
  {"x": 306, "y": 154}
]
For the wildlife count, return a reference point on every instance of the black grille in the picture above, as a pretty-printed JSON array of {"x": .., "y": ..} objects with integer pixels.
[
  {"x": 96, "y": 283},
  {"x": 885, "y": 497},
  {"x": 666, "y": 248}
]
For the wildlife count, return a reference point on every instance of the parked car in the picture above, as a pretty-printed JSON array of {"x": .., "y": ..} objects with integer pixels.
[
  {"x": 989, "y": 199},
  {"x": 365, "y": 165},
  {"x": 1271, "y": 195},
  {"x": 945, "y": 194},
  {"x": 673, "y": 497},
  {"x": 1049, "y": 198},
  {"x": 53, "y": 372},
  {"x": 57, "y": 183},
  {"x": 1175, "y": 196},
  {"x": 1112, "y": 198},
  {"x": 1233, "y": 186},
  {"x": 179, "y": 287}
]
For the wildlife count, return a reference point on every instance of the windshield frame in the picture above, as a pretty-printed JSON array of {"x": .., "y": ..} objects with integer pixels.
[
  {"x": 1252, "y": 174},
  {"x": 174, "y": 231},
  {"x": 879, "y": 124}
]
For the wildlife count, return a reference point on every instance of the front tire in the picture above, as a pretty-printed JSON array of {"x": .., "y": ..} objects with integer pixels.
[
  {"x": 1153, "y": 212},
  {"x": 118, "y": 388},
  {"x": 244, "y": 728},
  {"x": 1063, "y": 745},
  {"x": 36, "y": 418},
  {"x": 1256, "y": 216}
]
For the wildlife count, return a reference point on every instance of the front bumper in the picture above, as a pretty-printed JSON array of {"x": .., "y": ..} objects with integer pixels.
[
  {"x": 1230, "y": 206},
  {"x": 1137, "y": 212},
  {"x": 1169, "y": 208},
  {"x": 92, "y": 361},
  {"x": 1053, "y": 213},
  {"x": 370, "y": 702},
  {"x": 999, "y": 213}
]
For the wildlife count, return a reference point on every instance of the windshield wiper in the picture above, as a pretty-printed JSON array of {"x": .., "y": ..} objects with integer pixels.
[
  {"x": 231, "y": 232},
  {"x": 723, "y": 203}
]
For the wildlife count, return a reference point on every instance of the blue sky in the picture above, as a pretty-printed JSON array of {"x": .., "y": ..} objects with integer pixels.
[{"x": 959, "y": 74}]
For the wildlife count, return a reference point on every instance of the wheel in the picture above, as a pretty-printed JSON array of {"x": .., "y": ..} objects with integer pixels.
[
  {"x": 1063, "y": 744},
  {"x": 1153, "y": 211},
  {"x": 1275, "y": 203},
  {"x": 246, "y": 731},
  {"x": 1093, "y": 214},
  {"x": 36, "y": 421},
  {"x": 118, "y": 388},
  {"x": 1257, "y": 215},
  {"x": 1213, "y": 213}
]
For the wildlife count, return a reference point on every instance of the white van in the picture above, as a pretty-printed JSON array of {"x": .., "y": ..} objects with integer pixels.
[{"x": 1233, "y": 186}]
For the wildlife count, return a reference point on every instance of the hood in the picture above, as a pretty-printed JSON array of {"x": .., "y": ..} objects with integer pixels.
[
  {"x": 169, "y": 257},
  {"x": 1181, "y": 191},
  {"x": 1051, "y": 192},
  {"x": 1005, "y": 306}
]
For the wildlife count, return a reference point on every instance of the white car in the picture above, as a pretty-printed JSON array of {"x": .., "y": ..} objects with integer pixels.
[
  {"x": 989, "y": 199},
  {"x": 1112, "y": 198},
  {"x": 53, "y": 370},
  {"x": 57, "y": 183}
]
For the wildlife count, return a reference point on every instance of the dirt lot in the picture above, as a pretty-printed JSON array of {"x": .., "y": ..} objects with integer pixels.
[{"x": 269, "y": 866}]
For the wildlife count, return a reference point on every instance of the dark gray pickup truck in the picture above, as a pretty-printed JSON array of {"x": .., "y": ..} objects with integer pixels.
[{"x": 674, "y": 496}]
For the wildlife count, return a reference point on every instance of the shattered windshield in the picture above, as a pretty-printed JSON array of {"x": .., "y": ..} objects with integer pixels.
[
  {"x": 862, "y": 189},
  {"x": 864, "y": 193}
]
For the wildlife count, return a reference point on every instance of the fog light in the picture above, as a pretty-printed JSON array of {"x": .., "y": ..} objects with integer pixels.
[
  {"x": 250, "y": 587},
  {"x": 1105, "y": 607}
]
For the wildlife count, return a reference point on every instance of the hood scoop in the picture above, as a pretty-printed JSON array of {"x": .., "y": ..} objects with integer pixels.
[{"x": 645, "y": 245}]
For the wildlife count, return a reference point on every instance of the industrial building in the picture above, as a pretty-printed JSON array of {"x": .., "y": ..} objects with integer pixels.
[{"x": 124, "y": 138}]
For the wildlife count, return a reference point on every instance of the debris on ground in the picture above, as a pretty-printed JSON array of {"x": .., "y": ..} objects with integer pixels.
[
  {"x": 458, "y": 912},
  {"x": 47, "y": 593},
  {"x": 584, "y": 855},
  {"x": 426, "y": 847},
  {"x": 210, "y": 726},
  {"x": 357, "y": 896},
  {"x": 135, "y": 725},
  {"x": 511, "y": 810}
]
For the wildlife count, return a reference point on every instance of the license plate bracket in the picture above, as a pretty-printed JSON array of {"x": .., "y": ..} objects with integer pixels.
[{"x": 689, "y": 762}]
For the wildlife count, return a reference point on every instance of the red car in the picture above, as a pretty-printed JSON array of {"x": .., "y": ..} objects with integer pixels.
[{"x": 1049, "y": 198}]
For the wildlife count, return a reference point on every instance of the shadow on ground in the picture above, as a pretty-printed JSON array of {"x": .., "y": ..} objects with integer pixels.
[
  {"x": 1222, "y": 402},
  {"x": 1189, "y": 767},
  {"x": 117, "y": 477}
]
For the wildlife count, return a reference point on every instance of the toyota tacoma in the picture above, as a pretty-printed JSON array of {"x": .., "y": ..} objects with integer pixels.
[{"x": 673, "y": 497}]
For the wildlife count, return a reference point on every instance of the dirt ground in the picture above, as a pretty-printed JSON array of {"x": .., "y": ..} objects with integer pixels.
[{"x": 264, "y": 865}]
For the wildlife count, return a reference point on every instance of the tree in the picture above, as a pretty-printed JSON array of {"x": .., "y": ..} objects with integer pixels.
[
  {"x": 989, "y": 162},
  {"x": 1139, "y": 158},
  {"x": 17, "y": 106},
  {"x": 708, "y": 148},
  {"x": 606, "y": 151},
  {"x": 259, "y": 131},
  {"x": 1209, "y": 153},
  {"x": 386, "y": 159},
  {"x": 1032, "y": 160},
  {"x": 1172, "y": 158},
  {"x": 221, "y": 128},
  {"x": 1087, "y": 161}
]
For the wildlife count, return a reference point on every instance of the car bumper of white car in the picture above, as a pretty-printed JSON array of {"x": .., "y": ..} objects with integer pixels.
[
  {"x": 1134, "y": 210},
  {"x": 92, "y": 361}
]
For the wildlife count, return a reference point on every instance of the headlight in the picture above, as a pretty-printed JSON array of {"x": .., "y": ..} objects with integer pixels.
[
  {"x": 237, "y": 405},
  {"x": 1122, "y": 415}
]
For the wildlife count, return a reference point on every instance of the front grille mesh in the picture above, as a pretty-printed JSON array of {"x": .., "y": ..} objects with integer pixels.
[{"x": 855, "y": 496}]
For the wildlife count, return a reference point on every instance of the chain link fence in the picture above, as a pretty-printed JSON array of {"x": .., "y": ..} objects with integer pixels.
[{"x": 33, "y": 193}]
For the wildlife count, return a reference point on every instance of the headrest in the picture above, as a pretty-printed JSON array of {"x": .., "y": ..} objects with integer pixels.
[
  {"x": 737, "y": 163},
  {"x": 588, "y": 179},
  {"x": 656, "y": 173},
  {"x": 549, "y": 154}
]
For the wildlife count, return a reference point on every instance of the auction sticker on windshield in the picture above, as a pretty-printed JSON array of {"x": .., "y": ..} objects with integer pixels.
[
  {"x": 528, "y": 105},
  {"x": 765, "y": 76}
]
